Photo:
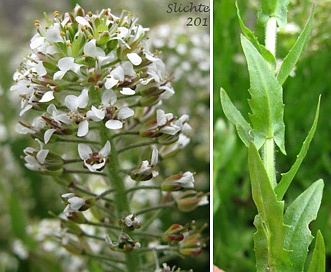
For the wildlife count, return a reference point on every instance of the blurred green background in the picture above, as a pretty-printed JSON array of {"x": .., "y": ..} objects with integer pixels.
[
  {"x": 234, "y": 209},
  {"x": 25, "y": 196}
]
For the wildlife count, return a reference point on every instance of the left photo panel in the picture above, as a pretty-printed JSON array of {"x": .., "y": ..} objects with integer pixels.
[{"x": 105, "y": 135}]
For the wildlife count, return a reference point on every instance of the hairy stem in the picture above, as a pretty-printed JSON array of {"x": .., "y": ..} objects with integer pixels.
[
  {"x": 121, "y": 200},
  {"x": 269, "y": 145}
]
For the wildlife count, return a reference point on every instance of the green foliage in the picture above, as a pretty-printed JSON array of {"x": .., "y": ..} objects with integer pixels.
[
  {"x": 267, "y": 99},
  {"x": 269, "y": 238},
  {"x": 317, "y": 263},
  {"x": 296, "y": 51},
  {"x": 298, "y": 215}
]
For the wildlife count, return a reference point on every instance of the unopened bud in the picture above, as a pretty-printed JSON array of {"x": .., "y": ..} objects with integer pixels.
[{"x": 174, "y": 233}]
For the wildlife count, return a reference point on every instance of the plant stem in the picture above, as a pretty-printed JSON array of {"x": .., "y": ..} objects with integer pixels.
[
  {"x": 269, "y": 146},
  {"x": 271, "y": 35},
  {"x": 120, "y": 197},
  {"x": 170, "y": 204},
  {"x": 269, "y": 160}
]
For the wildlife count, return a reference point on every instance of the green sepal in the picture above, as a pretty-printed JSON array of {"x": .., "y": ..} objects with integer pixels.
[
  {"x": 287, "y": 177},
  {"x": 298, "y": 215},
  {"x": 296, "y": 51},
  {"x": 266, "y": 100},
  {"x": 235, "y": 117},
  {"x": 317, "y": 263},
  {"x": 266, "y": 54},
  {"x": 271, "y": 231}
]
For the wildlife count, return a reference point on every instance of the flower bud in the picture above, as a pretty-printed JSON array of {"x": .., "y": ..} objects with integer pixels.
[
  {"x": 174, "y": 233},
  {"x": 191, "y": 246},
  {"x": 189, "y": 200},
  {"x": 76, "y": 217},
  {"x": 130, "y": 222}
]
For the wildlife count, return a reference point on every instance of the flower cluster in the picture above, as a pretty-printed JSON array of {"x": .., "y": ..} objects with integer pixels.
[{"x": 90, "y": 92}]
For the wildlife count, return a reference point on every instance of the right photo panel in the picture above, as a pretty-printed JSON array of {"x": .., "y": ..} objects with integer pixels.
[{"x": 272, "y": 136}]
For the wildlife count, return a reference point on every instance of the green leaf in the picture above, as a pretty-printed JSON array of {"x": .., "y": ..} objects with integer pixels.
[
  {"x": 295, "y": 52},
  {"x": 270, "y": 235},
  {"x": 317, "y": 263},
  {"x": 235, "y": 117},
  {"x": 266, "y": 100},
  {"x": 287, "y": 178},
  {"x": 266, "y": 54},
  {"x": 298, "y": 215}
]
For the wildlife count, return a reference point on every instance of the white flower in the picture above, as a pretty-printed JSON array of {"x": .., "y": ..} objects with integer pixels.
[
  {"x": 164, "y": 121},
  {"x": 168, "y": 150},
  {"x": 187, "y": 180},
  {"x": 92, "y": 160},
  {"x": 131, "y": 221},
  {"x": 66, "y": 64},
  {"x": 73, "y": 103},
  {"x": 53, "y": 34},
  {"x": 56, "y": 121},
  {"x": 116, "y": 76},
  {"x": 74, "y": 203},
  {"x": 91, "y": 50},
  {"x": 35, "y": 158},
  {"x": 115, "y": 115}
]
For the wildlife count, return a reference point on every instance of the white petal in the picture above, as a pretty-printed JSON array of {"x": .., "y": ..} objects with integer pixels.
[
  {"x": 76, "y": 203},
  {"x": 171, "y": 130},
  {"x": 155, "y": 156},
  {"x": 81, "y": 20},
  {"x": 83, "y": 128},
  {"x": 84, "y": 151},
  {"x": 109, "y": 98},
  {"x": 90, "y": 49},
  {"x": 48, "y": 134},
  {"x": 71, "y": 102},
  {"x": 40, "y": 69},
  {"x": 127, "y": 91},
  {"x": 41, "y": 155},
  {"x": 114, "y": 124},
  {"x": 65, "y": 63},
  {"x": 104, "y": 152},
  {"x": 36, "y": 41},
  {"x": 68, "y": 195},
  {"x": 128, "y": 69},
  {"x": 53, "y": 34},
  {"x": 110, "y": 82},
  {"x": 25, "y": 109},
  {"x": 125, "y": 112},
  {"x": 48, "y": 96},
  {"x": 59, "y": 75},
  {"x": 134, "y": 58},
  {"x": 161, "y": 117},
  {"x": 118, "y": 73},
  {"x": 96, "y": 114},
  {"x": 83, "y": 99},
  {"x": 23, "y": 130},
  {"x": 203, "y": 201},
  {"x": 95, "y": 167}
]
